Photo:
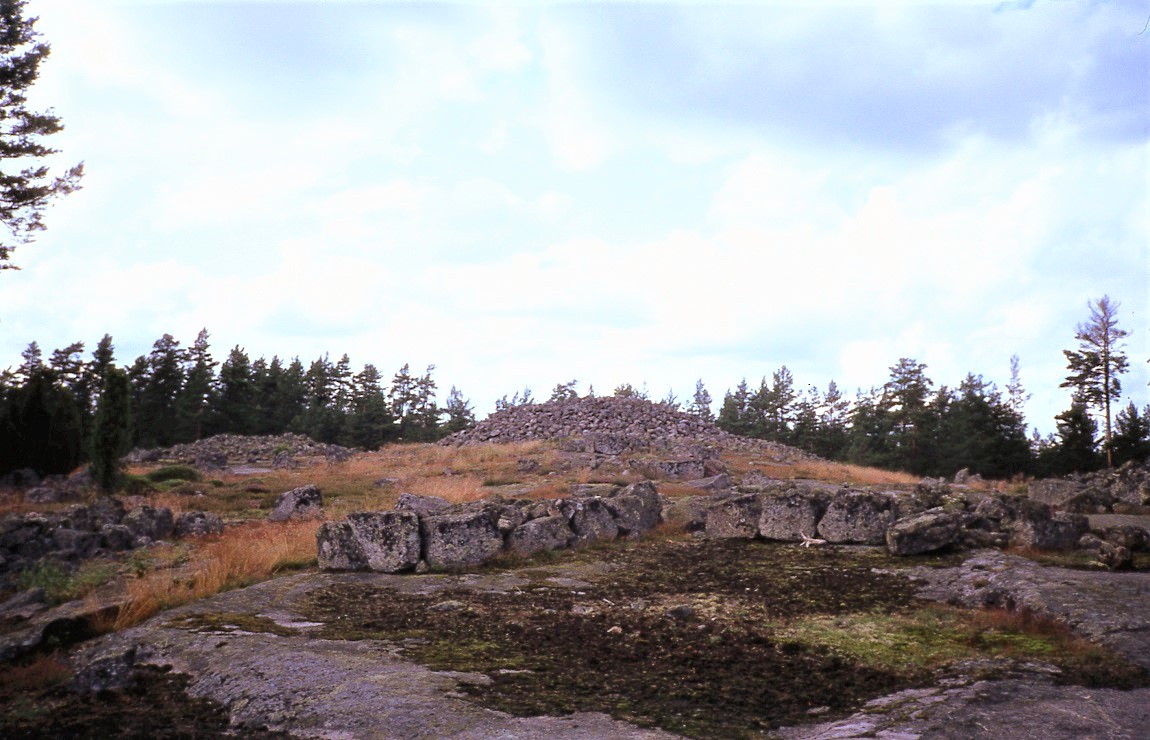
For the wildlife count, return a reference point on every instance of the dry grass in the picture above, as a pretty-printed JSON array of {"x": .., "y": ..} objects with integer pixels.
[
  {"x": 241, "y": 556},
  {"x": 43, "y": 672}
]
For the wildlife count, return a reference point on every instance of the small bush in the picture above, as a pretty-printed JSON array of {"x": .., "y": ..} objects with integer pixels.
[
  {"x": 173, "y": 472},
  {"x": 59, "y": 585},
  {"x": 137, "y": 485}
]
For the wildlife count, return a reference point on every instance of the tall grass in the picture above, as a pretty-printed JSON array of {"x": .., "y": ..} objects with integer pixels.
[{"x": 241, "y": 556}]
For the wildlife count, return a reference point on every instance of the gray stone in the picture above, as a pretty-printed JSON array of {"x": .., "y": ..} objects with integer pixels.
[
  {"x": 538, "y": 535},
  {"x": 679, "y": 469},
  {"x": 858, "y": 517},
  {"x": 1115, "y": 557},
  {"x": 383, "y": 541},
  {"x": 1037, "y": 528},
  {"x": 925, "y": 532},
  {"x": 117, "y": 537},
  {"x": 421, "y": 504},
  {"x": 78, "y": 543},
  {"x": 305, "y": 502},
  {"x": 593, "y": 520},
  {"x": 1053, "y": 491},
  {"x": 756, "y": 479},
  {"x": 637, "y": 508},
  {"x": 734, "y": 516},
  {"x": 198, "y": 524},
  {"x": 1130, "y": 536},
  {"x": 720, "y": 482},
  {"x": 106, "y": 510},
  {"x": 458, "y": 540},
  {"x": 788, "y": 517},
  {"x": 154, "y": 524},
  {"x": 608, "y": 444},
  {"x": 49, "y": 495}
]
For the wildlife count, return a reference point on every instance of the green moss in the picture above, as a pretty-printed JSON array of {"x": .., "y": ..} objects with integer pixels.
[
  {"x": 173, "y": 472},
  {"x": 61, "y": 585}
]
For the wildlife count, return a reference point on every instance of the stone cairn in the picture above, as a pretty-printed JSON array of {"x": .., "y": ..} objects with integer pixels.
[
  {"x": 610, "y": 425},
  {"x": 216, "y": 453}
]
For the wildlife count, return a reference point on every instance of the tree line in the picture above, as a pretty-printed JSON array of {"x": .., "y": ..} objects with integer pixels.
[
  {"x": 907, "y": 424},
  {"x": 61, "y": 411},
  {"x": 50, "y": 408}
]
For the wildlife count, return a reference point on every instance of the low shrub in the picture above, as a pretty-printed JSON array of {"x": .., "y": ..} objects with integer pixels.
[
  {"x": 173, "y": 472},
  {"x": 60, "y": 585}
]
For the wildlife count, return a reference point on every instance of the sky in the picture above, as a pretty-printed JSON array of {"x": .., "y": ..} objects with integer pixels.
[{"x": 527, "y": 194}]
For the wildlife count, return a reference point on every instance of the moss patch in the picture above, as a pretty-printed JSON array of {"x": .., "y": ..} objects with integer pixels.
[{"x": 704, "y": 638}]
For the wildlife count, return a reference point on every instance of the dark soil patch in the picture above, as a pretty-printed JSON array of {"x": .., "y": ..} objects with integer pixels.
[
  {"x": 678, "y": 634},
  {"x": 155, "y": 706}
]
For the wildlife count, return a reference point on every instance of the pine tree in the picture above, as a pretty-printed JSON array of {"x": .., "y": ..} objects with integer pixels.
[
  {"x": 1096, "y": 364},
  {"x": 735, "y": 414},
  {"x": 1131, "y": 440},
  {"x": 27, "y": 191},
  {"x": 700, "y": 406},
  {"x": 111, "y": 429},
  {"x": 196, "y": 396},
  {"x": 459, "y": 413},
  {"x": 1077, "y": 450},
  {"x": 562, "y": 392},
  {"x": 159, "y": 380},
  {"x": 234, "y": 403}
]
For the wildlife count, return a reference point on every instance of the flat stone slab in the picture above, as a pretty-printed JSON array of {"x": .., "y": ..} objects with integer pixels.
[
  {"x": 313, "y": 687},
  {"x": 332, "y": 688}
]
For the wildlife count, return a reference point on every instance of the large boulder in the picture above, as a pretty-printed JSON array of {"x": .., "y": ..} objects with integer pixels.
[
  {"x": 790, "y": 517},
  {"x": 926, "y": 532},
  {"x": 305, "y": 502},
  {"x": 198, "y": 524},
  {"x": 457, "y": 540},
  {"x": 76, "y": 543},
  {"x": 421, "y": 504},
  {"x": 734, "y": 516},
  {"x": 383, "y": 541},
  {"x": 1053, "y": 491},
  {"x": 636, "y": 508},
  {"x": 539, "y": 535},
  {"x": 857, "y": 517},
  {"x": 593, "y": 520},
  {"x": 720, "y": 482},
  {"x": 148, "y": 523},
  {"x": 1035, "y": 527},
  {"x": 679, "y": 469}
]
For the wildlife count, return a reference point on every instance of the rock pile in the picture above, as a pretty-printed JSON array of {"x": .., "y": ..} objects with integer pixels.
[
  {"x": 610, "y": 426},
  {"x": 222, "y": 450},
  {"x": 86, "y": 530},
  {"x": 426, "y": 531},
  {"x": 1103, "y": 491},
  {"x": 928, "y": 519}
]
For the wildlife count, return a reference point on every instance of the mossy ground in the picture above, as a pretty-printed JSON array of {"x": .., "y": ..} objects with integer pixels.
[{"x": 704, "y": 638}]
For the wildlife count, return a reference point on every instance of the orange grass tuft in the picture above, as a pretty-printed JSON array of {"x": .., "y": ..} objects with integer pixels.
[
  {"x": 241, "y": 556},
  {"x": 43, "y": 672}
]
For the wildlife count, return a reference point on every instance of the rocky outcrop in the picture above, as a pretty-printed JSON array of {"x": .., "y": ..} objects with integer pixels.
[
  {"x": 385, "y": 541},
  {"x": 427, "y": 533},
  {"x": 1100, "y": 492},
  {"x": 305, "y": 502},
  {"x": 922, "y": 533},
  {"x": 87, "y": 530},
  {"x": 930, "y": 518},
  {"x": 613, "y": 426},
  {"x": 223, "y": 450},
  {"x": 857, "y": 517}
]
